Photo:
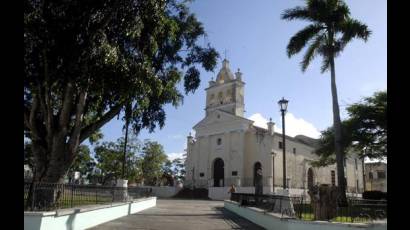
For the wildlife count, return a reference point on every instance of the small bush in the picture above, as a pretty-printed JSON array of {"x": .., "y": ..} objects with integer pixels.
[{"x": 374, "y": 195}]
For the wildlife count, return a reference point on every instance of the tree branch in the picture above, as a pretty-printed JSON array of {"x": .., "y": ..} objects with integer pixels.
[
  {"x": 67, "y": 103},
  {"x": 26, "y": 118},
  {"x": 47, "y": 100},
  {"x": 32, "y": 118},
  {"x": 90, "y": 129},
  {"x": 75, "y": 135}
]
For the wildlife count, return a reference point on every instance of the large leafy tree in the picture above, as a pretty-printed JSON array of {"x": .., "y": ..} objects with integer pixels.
[
  {"x": 153, "y": 160},
  {"x": 109, "y": 157},
  {"x": 173, "y": 171},
  {"x": 179, "y": 169},
  {"x": 86, "y": 60},
  {"x": 331, "y": 29},
  {"x": 83, "y": 162},
  {"x": 364, "y": 132},
  {"x": 167, "y": 173},
  {"x": 369, "y": 130}
]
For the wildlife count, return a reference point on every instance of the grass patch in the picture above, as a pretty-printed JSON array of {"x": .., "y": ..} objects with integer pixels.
[
  {"x": 342, "y": 219},
  {"x": 69, "y": 200}
]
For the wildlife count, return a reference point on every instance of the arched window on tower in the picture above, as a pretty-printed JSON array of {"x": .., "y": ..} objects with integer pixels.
[
  {"x": 229, "y": 95},
  {"x": 220, "y": 97}
]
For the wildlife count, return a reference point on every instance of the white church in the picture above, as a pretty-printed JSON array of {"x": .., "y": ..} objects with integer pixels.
[{"x": 228, "y": 149}]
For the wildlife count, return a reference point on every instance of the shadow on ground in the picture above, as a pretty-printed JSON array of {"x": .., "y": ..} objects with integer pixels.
[
  {"x": 235, "y": 221},
  {"x": 176, "y": 214}
]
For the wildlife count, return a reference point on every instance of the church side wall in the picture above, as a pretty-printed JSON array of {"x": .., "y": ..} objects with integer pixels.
[
  {"x": 298, "y": 164},
  {"x": 258, "y": 149}
]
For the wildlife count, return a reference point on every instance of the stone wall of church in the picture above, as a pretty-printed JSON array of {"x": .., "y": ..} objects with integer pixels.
[
  {"x": 378, "y": 178},
  {"x": 298, "y": 164},
  {"x": 205, "y": 150},
  {"x": 241, "y": 150},
  {"x": 258, "y": 149},
  {"x": 227, "y": 97}
]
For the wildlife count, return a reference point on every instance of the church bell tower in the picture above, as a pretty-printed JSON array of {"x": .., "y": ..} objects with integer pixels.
[{"x": 226, "y": 93}]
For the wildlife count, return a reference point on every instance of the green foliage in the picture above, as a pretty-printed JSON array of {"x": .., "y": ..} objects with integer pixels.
[
  {"x": 153, "y": 159},
  {"x": 370, "y": 125},
  {"x": 28, "y": 155},
  {"x": 167, "y": 173},
  {"x": 331, "y": 30},
  {"x": 110, "y": 156},
  {"x": 95, "y": 137},
  {"x": 365, "y": 129},
  {"x": 173, "y": 171},
  {"x": 326, "y": 149},
  {"x": 179, "y": 169},
  {"x": 85, "y": 61},
  {"x": 83, "y": 162}
]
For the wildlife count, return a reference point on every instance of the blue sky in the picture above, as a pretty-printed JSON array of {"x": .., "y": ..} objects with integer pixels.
[{"x": 255, "y": 39}]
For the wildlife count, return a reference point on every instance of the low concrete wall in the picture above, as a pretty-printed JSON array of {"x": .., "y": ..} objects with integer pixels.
[
  {"x": 274, "y": 221},
  {"x": 163, "y": 191},
  {"x": 86, "y": 217}
]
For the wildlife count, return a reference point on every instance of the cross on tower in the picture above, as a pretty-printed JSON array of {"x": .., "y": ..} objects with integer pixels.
[{"x": 226, "y": 51}]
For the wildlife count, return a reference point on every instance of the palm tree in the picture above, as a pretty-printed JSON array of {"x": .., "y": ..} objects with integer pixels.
[
  {"x": 128, "y": 110},
  {"x": 331, "y": 29}
]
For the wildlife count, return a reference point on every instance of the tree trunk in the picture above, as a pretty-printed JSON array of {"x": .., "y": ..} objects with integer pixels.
[
  {"x": 323, "y": 200},
  {"x": 50, "y": 167},
  {"x": 342, "y": 200}
]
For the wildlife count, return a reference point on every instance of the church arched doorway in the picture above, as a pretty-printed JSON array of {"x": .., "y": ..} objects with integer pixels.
[
  {"x": 257, "y": 173},
  {"x": 310, "y": 178},
  {"x": 218, "y": 172}
]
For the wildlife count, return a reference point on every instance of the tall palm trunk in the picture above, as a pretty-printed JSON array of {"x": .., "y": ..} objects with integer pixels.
[
  {"x": 338, "y": 137},
  {"x": 128, "y": 110},
  {"x": 125, "y": 149}
]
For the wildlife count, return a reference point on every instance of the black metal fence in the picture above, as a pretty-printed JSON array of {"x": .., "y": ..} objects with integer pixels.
[
  {"x": 48, "y": 196},
  {"x": 358, "y": 210},
  {"x": 269, "y": 203},
  {"x": 225, "y": 182},
  {"x": 198, "y": 183}
]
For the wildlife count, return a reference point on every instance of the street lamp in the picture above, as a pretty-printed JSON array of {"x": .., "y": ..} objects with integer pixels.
[{"x": 283, "y": 105}]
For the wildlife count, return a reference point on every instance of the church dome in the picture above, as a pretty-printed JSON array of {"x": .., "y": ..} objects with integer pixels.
[{"x": 225, "y": 73}]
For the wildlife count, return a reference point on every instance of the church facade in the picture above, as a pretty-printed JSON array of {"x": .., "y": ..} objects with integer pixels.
[{"x": 228, "y": 149}]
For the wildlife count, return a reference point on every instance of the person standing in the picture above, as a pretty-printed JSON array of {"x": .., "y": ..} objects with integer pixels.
[{"x": 232, "y": 190}]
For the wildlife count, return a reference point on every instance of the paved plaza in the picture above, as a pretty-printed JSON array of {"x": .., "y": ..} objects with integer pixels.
[{"x": 180, "y": 215}]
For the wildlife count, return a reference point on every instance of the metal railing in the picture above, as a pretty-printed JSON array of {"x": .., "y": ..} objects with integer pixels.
[
  {"x": 269, "y": 203},
  {"x": 199, "y": 183},
  {"x": 226, "y": 182},
  {"x": 247, "y": 182},
  {"x": 357, "y": 210},
  {"x": 49, "y": 196}
]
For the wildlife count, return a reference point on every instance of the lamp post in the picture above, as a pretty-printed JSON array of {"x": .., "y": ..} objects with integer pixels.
[{"x": 283, "y": 105}]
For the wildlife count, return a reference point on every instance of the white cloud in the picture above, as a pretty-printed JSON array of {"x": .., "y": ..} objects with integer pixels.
[
  {"x": 294, "y": 126},
  {"x": 173, "y": 156},
  {"x": 259, "y": 120}
]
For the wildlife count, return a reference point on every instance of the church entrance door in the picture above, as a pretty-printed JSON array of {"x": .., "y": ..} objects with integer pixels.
[
  {"x": 258, "y": 178},
  {"x": 218, "y": 172},
  {"x": 310, "y": 178}
]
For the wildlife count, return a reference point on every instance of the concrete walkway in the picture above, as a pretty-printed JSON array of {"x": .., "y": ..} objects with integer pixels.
[{"x": 180, "y": 215}]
